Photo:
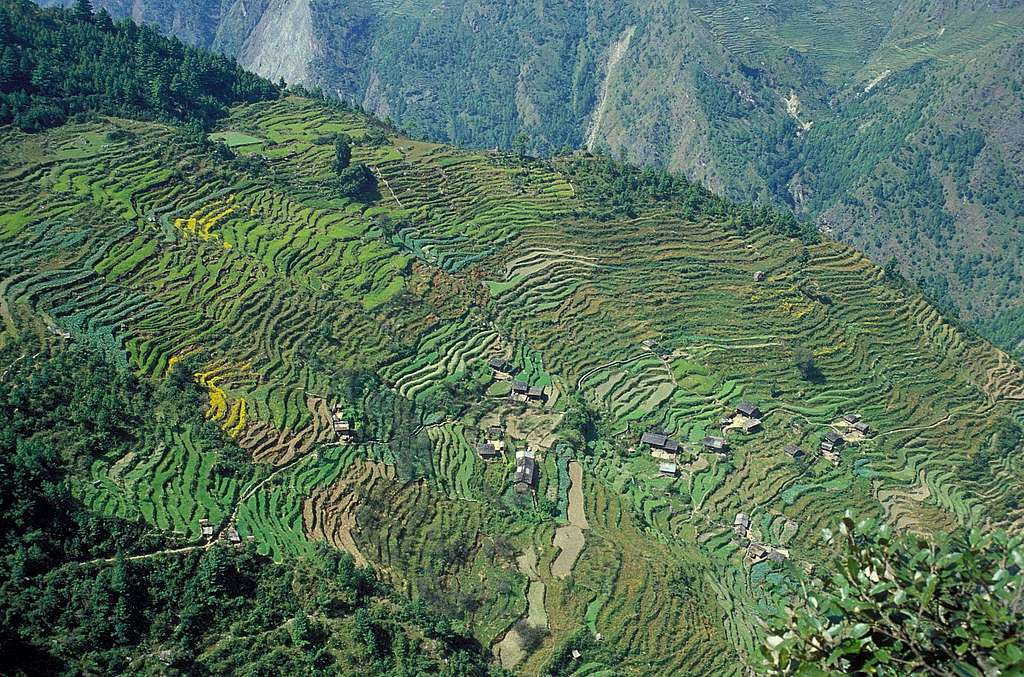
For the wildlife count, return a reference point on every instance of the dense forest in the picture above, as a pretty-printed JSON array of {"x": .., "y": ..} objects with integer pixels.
[
  {"x": 84, "y": 593},
  {"x": 56, "y": 63}
]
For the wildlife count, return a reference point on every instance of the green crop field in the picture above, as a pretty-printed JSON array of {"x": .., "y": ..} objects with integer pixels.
[{"x": 287, "y": 300}]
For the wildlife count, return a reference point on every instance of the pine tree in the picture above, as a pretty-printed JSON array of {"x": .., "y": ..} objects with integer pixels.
[
  {"x": 342, "y": 153},
  {"x": 83, "y": 10}
]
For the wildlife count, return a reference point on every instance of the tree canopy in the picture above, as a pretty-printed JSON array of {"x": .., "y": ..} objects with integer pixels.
[
  {"x": 897, "y": 603},
  {"x": 58, "y": 62}
]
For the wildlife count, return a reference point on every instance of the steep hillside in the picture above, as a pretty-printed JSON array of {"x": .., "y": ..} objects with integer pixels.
[
  {"x": 288, "y": 300},
  {"x": 336, "y": 291},
  {"x": 894, "y": 124}
]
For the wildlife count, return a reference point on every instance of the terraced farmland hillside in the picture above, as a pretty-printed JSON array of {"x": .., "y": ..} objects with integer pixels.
[{"x": 633, "y": 301}]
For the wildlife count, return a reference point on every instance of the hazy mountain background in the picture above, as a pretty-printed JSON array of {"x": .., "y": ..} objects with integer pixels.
[{"x": 896, "y": 125}]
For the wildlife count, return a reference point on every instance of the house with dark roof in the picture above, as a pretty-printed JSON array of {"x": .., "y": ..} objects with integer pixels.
[
  {"x": 520, "y": 388},
  {"x": 526, "y": 472},
  {"x": 535, "y": 393},
  {"x": 794, "y": 451},
  {"x": 500, "y": 365},
  {"x": 661, "y": 441},
  {"x": 862, "y": 428},
  {"x": 715, "y": 443},
  {"x": 851, "y": 418},
  {"x": 487, "y": 451},
  {"x": 751, "y": 425},
  {"x": 834, "y": 438},
  {"x": 749, "y": 410}
]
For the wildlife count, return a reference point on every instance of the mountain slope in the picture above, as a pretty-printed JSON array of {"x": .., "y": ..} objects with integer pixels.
[
  {"x": 847, "y": 113},
  {"x": 287, "y": 300},
  {"x": 634, "y": 299}
]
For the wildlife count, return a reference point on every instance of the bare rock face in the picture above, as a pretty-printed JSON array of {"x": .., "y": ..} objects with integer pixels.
[{"x": 283, "y": 44}]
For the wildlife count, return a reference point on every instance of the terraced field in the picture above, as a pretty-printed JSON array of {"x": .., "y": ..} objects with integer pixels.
[{"x": 286, "y": 300}]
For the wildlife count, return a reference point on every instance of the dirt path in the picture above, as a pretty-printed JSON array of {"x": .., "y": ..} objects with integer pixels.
[{"x": 569, "y": 538}]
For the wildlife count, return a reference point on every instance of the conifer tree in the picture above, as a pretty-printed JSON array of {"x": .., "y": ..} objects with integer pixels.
[{"x": 83, "y": 10}]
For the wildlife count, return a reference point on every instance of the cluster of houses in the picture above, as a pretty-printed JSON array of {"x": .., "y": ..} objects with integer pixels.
[
  {"x": 521, "y": 390},
  {"x": 664, "y": 448},
  {"x": 855, "y": 422},
  {"x": 343, "y": 427},
  {"x": 494, "y": 446},
  {"x": 756, "y": 552},
  {"x": 830, "y": 446},
  {"x": 746, "y": 416}
]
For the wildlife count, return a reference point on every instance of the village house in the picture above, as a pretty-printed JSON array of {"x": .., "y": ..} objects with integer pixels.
[
  {"x": 501, "y": 367},
  {"x": 749, "y": 410},
  {"x": 852, "y": 418},
  {"x": 658, "y": 440},
  {"x": 343, "y": 427},
  {"x": 741, "y": 524},
  {"x": 794, "y": 451},
  {"x": 232, "y": 534},
  {"x": 487, "y": 451},
  {"x": 715, "y": 443},
  {"x": 751, "y": 425},
  {"x": 526, "y": 471},
  {"x": 862, "y": 428},
  {"x": 833, "y": 438}
]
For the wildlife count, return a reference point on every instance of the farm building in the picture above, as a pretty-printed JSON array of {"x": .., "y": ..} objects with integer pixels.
[
  {"x": 535, "y": 393},
  {"x": 205, "y": 527},
  {"x": 526, "y": 471},
  {"x": 741, "y": 524},
  {"x": 715, "y": 443},
  {"x": 232, "y": 534},
  {"x": 749, "y": 410},
  {"x": 501, "y": 366},
  {"x": 852, "y": 418},
  {"x": 650, "y": 344},
  {"x": 659, "y": 441},
  {"x": 343, "y": 427},
  {"x": 833, "y": 438},
  {"x": 794, "y": 451},
  {"x": 487, "y": 451},
  {"x": 751, "y": 425},
  {"x": 668, "y": 469}
]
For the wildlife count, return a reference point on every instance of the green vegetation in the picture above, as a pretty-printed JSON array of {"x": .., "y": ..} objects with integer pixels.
[
  {"x": 275, "y": 309},
  {"x": 83, "y": 592},
  {"x": 896, "y": 604},
  {"x": 54, "y": 64}
]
